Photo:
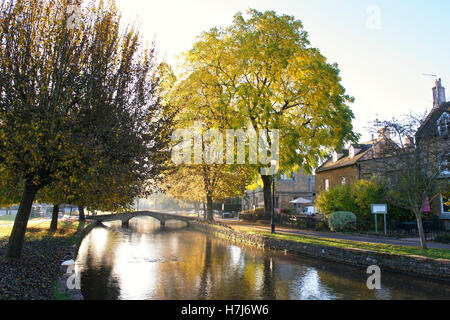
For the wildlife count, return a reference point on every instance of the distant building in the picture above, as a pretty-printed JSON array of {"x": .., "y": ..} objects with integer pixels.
[{"x": 287, "y": 189}]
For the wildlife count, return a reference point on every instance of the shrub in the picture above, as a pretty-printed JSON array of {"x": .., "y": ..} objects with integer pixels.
[
  {"x": 306, "y": 223},
  {"x": 289, "y": 211},
  {"x": 322, "y": 226},
  {"x": 336, "y": 199},
  {"x": 252, "y": 215},
  {"x": 358, "y": 198},
  {"x": 443, "y": 238},
  {"x": 342, "y": 221},
  {"x": 259, "y": 214}
]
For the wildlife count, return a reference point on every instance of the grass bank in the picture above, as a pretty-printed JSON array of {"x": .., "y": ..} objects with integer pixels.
[
  {"x": 33, "y": 276},
  {"x": 381, "y": 248}
]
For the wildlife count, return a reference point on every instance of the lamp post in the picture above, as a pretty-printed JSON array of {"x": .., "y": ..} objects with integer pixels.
[{"x": 272, "y": 224}]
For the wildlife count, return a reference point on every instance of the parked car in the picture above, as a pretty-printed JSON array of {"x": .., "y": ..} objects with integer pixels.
[{"x": 310, "y": 211}]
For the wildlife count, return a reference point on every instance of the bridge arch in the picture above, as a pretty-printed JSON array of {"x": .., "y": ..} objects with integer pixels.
[{"x": 126, "y": 223}]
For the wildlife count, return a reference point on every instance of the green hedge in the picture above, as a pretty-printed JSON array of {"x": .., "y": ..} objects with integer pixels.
[
  {"x": 358, "y": 198},
  {"x": 253, "y": 215},
  {"x": 259, "y": 214},
  {"x": 443, "y": 238}
]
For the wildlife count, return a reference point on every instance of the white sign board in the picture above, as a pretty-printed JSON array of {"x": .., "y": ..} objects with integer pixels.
[{"x": 379, "y": 208}]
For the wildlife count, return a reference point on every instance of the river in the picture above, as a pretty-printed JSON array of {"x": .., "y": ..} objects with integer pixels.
[{"x": 147, "y": 262}]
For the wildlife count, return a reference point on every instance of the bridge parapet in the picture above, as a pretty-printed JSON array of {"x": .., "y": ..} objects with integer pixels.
[{"x": 126, "y": 217}]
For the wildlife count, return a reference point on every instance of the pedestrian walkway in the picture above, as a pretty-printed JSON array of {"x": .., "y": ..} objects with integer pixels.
[{"x": 412, "y": 242}]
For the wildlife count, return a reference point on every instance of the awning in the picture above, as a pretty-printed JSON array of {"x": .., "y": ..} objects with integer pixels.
[{"x": 301, "y": 201}]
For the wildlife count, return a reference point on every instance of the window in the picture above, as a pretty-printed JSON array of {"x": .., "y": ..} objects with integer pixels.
[
  {"x": 343, "y": 180},
  {"x": 445, "y": 203},
  {"x": 444, "y": 164},
  {"x": 326, "y": 184},
  {"x": 443, "y": 124}
]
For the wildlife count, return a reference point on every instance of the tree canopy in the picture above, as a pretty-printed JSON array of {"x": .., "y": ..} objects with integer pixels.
[
  {"x": 206, "y": 183},
  {"x": 261, "y": 73}
]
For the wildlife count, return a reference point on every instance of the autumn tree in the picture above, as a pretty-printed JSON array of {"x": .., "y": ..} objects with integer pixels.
[
  {"x": 206, "y": 183},
  {"x": 261, "y": 73},
  {"x": 76, "y": 101}
]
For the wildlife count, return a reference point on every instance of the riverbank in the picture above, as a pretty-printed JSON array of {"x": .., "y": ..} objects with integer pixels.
[
  {"x": 35, "y": 275},
  {"x": 355, "y": 237},
  {"x": 433, "y": 263}
]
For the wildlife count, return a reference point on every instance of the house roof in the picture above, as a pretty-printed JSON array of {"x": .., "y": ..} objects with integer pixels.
[
  {"x": 346, "y": 161},
  {"x": 429, "y": 126}
]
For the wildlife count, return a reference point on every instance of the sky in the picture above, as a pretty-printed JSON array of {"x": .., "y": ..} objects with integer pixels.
[{"x": 383, "y": 48}]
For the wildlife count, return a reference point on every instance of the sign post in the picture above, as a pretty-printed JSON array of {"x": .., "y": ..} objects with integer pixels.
[{"x": 380, "y": 209}]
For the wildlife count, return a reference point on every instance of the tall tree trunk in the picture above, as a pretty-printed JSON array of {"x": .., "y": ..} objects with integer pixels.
[
  {"x": 55, "y": 214},
  {"x": 82, "y": 217},
  {"x": 209, "y": 208},
  {"x": 17, "y": 237},
  {"x": 267, "y": 191},
  {"x": 423, "y": 242},
  {"x": 204, "y": 211}
]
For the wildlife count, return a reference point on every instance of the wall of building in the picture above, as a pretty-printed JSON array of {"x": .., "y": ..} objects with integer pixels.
[
  {"x": 334, "y": 176},
  {"x": 303, "y": 186}
]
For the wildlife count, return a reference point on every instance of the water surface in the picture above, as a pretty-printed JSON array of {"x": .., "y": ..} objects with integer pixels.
[{"x": 146, "y": 262}]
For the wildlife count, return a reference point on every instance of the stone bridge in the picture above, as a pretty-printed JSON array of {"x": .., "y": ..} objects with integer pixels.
[{"x": 126, "y": 217}]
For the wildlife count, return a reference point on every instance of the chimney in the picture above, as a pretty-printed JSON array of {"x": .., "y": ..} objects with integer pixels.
[
  {"x": 438, "y": 94},
  {"x": 409, "y": 142},
  {"x": 385, "y": 133}
]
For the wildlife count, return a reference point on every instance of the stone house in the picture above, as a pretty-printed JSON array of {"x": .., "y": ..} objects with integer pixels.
[
  {"x": 362, "y": 161},
  {"x": 433, "y": 135},
  {"x": 352, "y": 164},
  {"x": 287, "y": 189}
]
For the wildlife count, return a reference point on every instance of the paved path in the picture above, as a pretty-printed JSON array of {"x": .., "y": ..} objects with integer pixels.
[{"x": 412, "y": 242}]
